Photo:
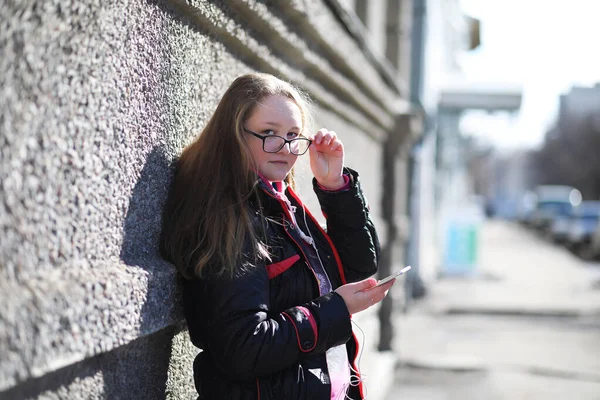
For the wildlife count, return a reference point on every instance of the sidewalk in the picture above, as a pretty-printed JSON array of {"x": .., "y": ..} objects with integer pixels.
[{"x": 526, "y": 327}]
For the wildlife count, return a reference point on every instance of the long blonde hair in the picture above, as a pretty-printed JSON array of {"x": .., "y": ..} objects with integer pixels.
[{"x": 207, "y": 221}]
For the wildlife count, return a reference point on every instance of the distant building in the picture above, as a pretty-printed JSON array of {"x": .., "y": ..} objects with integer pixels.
[
  {"x": 447, "y": 33},
  {"x": 576, "y": 105}
]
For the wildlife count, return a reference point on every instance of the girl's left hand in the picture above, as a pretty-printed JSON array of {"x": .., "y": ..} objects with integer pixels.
[{"x": 327, "y": 159}]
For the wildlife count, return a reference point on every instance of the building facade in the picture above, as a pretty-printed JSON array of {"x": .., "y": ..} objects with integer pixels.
[{"x": 99, "y": 99}]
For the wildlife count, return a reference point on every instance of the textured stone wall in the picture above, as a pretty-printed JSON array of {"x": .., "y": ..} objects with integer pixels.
[{"x": 98, "y": 98}]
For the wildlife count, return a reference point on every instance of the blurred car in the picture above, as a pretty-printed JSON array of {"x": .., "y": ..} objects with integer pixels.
[
  {"x": 594, "y": 247},
  {"x": 554, "y": 203},
  {"x": 526, "y": 208},
  {"x": 560, "y": 222},
  {"x": 582, "y": 226}
]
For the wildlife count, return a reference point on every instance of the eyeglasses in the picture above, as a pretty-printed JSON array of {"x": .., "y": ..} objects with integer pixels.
[{"x": 272, "y": 144}]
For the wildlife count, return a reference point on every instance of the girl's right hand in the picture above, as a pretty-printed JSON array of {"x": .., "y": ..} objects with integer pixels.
[{"x": 361, "y": 295}]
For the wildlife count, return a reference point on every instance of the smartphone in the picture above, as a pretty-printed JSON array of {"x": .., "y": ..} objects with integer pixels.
[{"x": 392, "y": 276}]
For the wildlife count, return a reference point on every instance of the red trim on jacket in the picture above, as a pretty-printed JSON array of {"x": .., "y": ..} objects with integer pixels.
[
  {"x": 355, "y": 367},
  {"x": 311, "y": 320},
  {"x": 280, "y": 267}
]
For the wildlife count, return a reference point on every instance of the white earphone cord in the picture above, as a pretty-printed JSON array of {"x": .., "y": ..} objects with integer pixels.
[{"x": 356, "y": 378}]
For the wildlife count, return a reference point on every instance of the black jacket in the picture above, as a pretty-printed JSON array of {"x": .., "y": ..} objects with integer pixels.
[{"x": 265, "y": 332}]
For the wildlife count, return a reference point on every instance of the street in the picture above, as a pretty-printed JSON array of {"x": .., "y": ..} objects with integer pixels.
[{"x": 526, "y": 326}]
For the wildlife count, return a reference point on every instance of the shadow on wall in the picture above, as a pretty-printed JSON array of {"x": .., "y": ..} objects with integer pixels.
[
  {"x": 161, "y": 314},
  {"x": 141, "y": 237},
  {"x": 138, "y": 369}
]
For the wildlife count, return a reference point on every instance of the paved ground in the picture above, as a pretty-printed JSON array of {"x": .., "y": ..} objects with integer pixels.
[{"x": 527, "y": 326}]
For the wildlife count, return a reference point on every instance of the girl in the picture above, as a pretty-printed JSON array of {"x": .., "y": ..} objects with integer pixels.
[{"x": 268, "y": 294}]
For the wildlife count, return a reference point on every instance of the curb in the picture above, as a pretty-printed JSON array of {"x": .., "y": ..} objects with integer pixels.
[
  {"x": 445, "y": 363},
  {"x": 520, "y": 312},
  {"x": 586, "y": 376},
  {"x": 473, "y": 365}
]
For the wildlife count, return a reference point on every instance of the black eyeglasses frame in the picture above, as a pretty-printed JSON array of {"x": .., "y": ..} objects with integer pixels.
[{"x": 285, "y": 141}]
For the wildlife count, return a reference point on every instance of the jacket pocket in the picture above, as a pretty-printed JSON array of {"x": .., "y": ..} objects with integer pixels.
[{"x": 278, "y": 268}]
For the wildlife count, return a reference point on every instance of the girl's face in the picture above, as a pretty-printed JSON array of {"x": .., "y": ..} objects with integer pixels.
[{"x": 275, "y": 115}]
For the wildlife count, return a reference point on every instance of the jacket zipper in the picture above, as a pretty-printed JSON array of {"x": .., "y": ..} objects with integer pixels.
[{"x": 337, "y": 259}]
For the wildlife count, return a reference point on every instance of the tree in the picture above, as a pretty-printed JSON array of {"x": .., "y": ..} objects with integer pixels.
[{"x": 570, "y": 154}]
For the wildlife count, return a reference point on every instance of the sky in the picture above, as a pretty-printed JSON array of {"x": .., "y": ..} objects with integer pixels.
[{"x": 546, "y": 46}]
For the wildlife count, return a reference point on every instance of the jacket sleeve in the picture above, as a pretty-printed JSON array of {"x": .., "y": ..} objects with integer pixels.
[
  {"x": 350, "y": 228},
  {"x": 245, "y": 338}
]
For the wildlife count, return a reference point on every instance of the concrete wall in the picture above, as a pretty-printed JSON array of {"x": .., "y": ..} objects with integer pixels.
[{"x": 98, "y": 98}]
